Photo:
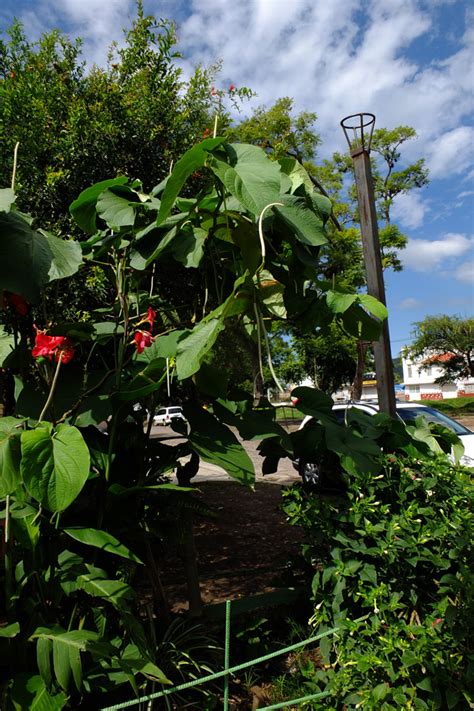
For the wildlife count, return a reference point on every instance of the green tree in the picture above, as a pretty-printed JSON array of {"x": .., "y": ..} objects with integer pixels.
[
  {"x": 285, "y": 135},
  {"x": 445, "y": 341}
]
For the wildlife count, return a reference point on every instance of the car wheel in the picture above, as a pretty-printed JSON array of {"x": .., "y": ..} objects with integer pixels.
[{"x": 311, "y": 473}]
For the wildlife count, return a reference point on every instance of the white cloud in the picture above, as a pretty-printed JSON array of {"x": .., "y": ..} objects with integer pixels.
[
  {"x": 425, "y": 255},
  {"x": 410, "y": 303},
  {"x": 452, "y": 153},
  {"x": 335, "y": 58},
  {"x": 465, "y": 272},
  {"x": 409, "y": 210}
]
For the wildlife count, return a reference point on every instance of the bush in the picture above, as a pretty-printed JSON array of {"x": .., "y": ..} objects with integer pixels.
[{"x": 393, "y": 571}]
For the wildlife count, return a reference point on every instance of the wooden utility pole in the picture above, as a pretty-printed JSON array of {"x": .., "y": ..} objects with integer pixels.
[{"x": 359, "y": 144}]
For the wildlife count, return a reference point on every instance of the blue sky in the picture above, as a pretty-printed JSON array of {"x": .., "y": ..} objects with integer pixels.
[{"x": 407, "y": 61}]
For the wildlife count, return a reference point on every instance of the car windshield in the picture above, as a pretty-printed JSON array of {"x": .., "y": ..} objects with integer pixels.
[{"x": 409, "y": 414}]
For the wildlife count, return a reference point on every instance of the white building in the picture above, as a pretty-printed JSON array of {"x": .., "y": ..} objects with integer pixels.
[{"x": 420, "y": 381}]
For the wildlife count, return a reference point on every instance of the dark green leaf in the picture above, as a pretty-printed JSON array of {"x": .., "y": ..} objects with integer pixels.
[
  {"x": 102, "y": 540},
  {"x": 54, "y": 465},
  {"x": 192, "y": 160},
  {"x": 193, "y": 348}
]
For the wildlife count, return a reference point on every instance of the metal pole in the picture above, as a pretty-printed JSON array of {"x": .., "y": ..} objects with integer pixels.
[{"x": 374, "y": 273}]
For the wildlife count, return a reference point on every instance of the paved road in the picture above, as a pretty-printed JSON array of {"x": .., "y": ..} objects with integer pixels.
[{"x": 285, "y": 475}]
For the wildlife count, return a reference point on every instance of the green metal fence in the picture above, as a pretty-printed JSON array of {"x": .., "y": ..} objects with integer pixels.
[{"x": 228, "y": 671}]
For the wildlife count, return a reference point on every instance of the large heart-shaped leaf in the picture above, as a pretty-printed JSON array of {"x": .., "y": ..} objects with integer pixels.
[
  {"x": 83, "y": 209},
  {"x": 250, "y": 176},
  {"x": 54, "y": 464},
  {"x": 66, "y": 256},
  {"x": 117, "y": 206},
  {"x": 306, "y": 225}
]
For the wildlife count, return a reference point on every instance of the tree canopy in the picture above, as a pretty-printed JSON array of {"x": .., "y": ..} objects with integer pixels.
[{"x": 447, "y": 342}]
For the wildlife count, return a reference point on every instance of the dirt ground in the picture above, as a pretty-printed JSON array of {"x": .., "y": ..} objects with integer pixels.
[{"x": 247, "y": 548}]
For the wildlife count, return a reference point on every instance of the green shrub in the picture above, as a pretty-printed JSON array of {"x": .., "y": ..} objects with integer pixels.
[
  {"x": 454, "y": 406},
  {"x": 393, "y": 571}
]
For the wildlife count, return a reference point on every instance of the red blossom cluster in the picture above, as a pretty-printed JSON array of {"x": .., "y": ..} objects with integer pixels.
[
  {"x": 232, "y": 88},
  {"x": 142, "y": 338},
  {"x": 52, "y": 347}
]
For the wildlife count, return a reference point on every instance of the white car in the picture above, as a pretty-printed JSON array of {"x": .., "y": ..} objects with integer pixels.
[
  {"x": 166, "y": 415},
  {"x": 310, "y": 472}
]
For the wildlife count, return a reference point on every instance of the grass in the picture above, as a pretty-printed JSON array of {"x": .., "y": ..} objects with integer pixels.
[{"x": 452, "y": 405}]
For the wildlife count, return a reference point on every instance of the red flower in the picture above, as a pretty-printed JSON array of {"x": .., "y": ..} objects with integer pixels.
[
  {"x": 142, "y": 339},
  {"x": 12, "y": 75},
  {"x": 19, "y": 304},
  {"x": 52, "y": 346},
  {"x": 232, "y": 88},
  {"x": 150, "y": 317},
  {"x": 213, "y": 91},
  {"x": 437, "y": 621},
  {"x": 206, "y": 133}
]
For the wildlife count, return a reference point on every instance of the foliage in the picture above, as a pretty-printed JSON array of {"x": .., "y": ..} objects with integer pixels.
[
  {"x": 459, "y": 405},
  {"x": 84, "y": 509},
  {"x": 283, "y": 134},
  {"x": 392, "y": 561},
  {"x": 446, "y": 342}
]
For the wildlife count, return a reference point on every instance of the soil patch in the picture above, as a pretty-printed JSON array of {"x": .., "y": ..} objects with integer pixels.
[{"x": 244, "y": 551}]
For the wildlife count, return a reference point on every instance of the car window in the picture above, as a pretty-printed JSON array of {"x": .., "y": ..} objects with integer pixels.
[
  {"x": 409, "y": 414},
  {"x": 174, "y": 410},
  {"x": 161, "y": 412}
]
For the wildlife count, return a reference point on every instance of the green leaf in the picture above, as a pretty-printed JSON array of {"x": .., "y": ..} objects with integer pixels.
[
  {"x": 380, "y": 691},
  {"x": 218, "y": 445},
  {"x": 117, "y": 207},
  {"x": 250, "y": 176},
  {"x": 30, "y": 259},
  {"x": 10, "y": 454},
  {"x": 409, "y": 659},
  {"x": 43, "y": 658},
  {"x": 271, "y": 293},
  {"x": 25, "y": 257},
  {"x": 373, "y": 305},
  {"x": 54, "y": 465},
  {"x": 7, "y": 198},
  {"x": 193, "y": 348},
  {"x": 306, "y": 226},
  {"x": 83, "y": 209},
  {"x": 192, "y": 160},
  {"x": 67, "y": 648},
  {"x": 30, "y": 692},
  {"x": 313, "y": 402},
  {"x": 339, "y": 302},
  {"x": 188, "y": 247},
  {"x": 425, "y": 684},
  {"x": 101, "y": 539},
  {"x": 7, "y": 345},
  {"x": 10, "y": 631},
  {"x": 164, "y": 346},
  {"x": 114, "y": 591},
  {"x": 66, "y": 256}
]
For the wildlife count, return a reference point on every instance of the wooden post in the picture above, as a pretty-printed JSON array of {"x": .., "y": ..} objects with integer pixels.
[{"x": 374, "y": 273}]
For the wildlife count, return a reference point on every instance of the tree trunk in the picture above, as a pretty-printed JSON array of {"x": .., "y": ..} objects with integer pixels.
[{"x": 356, "y": 388}]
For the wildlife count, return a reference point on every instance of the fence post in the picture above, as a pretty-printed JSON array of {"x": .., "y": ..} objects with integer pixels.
[{"x": 227, "y": 654}]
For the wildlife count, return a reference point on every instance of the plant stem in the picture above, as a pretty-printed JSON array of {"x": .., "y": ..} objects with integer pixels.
[
  {"x": 15, "y": 164},
  {"x": 52, "y": 388},
  {"x": 8, "y": 560}
]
